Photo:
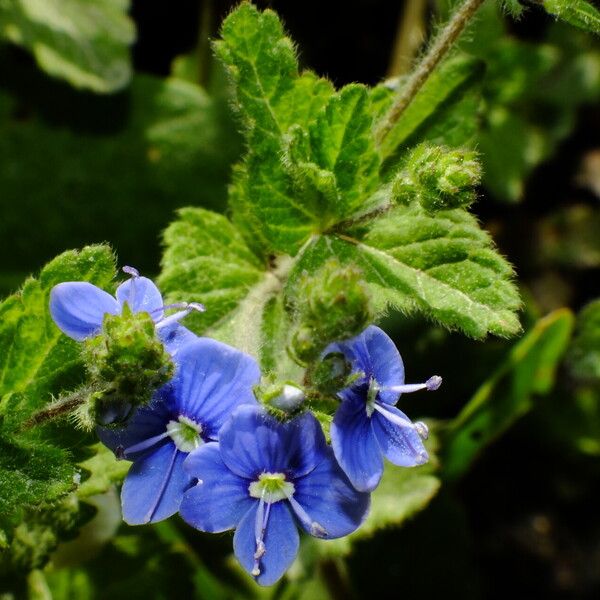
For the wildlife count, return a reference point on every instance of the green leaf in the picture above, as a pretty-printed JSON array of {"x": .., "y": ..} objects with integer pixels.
[
  {"x": 575, "y": 12},
  {"x": 271, "y": 97},
  {"x": 443, "y": 112},
  {"x": 529, "y": 371},
  {"x": 36, "y": 361},
  {"x": 442, "y": 265},
  {"x": 31, "y": 473},
  {"x": 163, "y": 145},
  {"x": 86, "y": 43},
  {"x": 207, "y": 260},
  {"x": 342, "y": 143},
  {"x": 103, "y": 470},
  {"x": 584, "y": 353},
  {"x": 35, "y": 357}
]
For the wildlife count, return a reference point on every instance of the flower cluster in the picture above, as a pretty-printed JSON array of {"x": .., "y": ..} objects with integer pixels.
[{"x": 205, "y": 448}]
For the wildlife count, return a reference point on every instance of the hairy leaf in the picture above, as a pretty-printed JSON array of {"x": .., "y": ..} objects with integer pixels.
[
  {"x": 37, "y": 360},
  {"x": 579, "y": 13},
  {"x": 528, "y": 371},
  {"x": 444, "y": 266},
  {"x": 341, "y": 142},
  {"x": 443, "y": 112},
  {"x": 207, "y": 260},
  {"x": 86, "y": 43},
  {"x": 35, "y": 357}
]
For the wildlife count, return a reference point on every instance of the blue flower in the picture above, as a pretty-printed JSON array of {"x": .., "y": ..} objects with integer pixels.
[
  {"x": 211, "y": 380},
  {"x": 264, "y": 478},
  {"x": 78, "y": 309},
  {"x": 367, "y": 425}
]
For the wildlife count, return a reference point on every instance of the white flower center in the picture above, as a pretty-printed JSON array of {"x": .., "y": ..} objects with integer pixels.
[
  {"x": 271, "y": 487},
  {"x": 185, "y": 433}
]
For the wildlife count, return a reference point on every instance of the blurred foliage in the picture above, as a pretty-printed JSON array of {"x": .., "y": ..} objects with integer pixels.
[
  {"x": 86, "y": 43},
  {"x": 104, "y": 168},
  {"x": 531, "y": 94}
]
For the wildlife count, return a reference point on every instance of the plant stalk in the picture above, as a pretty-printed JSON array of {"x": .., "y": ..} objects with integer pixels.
[{"x": 432, "y": 58}]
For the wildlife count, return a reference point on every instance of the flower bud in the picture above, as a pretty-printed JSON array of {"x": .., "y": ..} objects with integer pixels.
[
  {"x": 128, "y": 362},
  {"x": 438, "y": 178},
  {"x": 335, "y": 305}
]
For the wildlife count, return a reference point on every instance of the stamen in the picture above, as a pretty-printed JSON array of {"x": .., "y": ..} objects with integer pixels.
[
  {"x": 397, "y": 420},
  {"x": 134, "y": 273},
  {"x": 166, "y": 321},
  {"x": 432, "y": 384},
  {"x": 131, "y": 271},
  {"x": 140, "y": 446},
  {"x": 260, "y": 526},
  {"x": 422, "y": 429},
  {"x": 315, "y": 528}
]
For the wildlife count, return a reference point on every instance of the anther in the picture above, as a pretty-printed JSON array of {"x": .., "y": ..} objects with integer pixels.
[
  {"x": 131, "y": 271},
  {"x": 433, "y": 383}
]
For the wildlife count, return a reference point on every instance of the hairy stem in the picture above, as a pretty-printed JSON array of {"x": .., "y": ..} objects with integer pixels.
[
  {"x": 431, "y": 59},
  {"x": 57, "y": 409}
]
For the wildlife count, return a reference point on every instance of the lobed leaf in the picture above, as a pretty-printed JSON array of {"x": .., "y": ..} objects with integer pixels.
[
  {"x": 37, "y": 360},
  {"x": 207, "y": 260},
  {"x": 442, "y": 265}
]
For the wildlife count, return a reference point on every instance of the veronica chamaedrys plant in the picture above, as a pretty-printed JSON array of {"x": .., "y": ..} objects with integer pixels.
[
  {"x": 367, "y": 425},
  {"x": 211, "y": 379},
  {"x": 79, "y": 307},
  {"x": 262, "y": 479}
]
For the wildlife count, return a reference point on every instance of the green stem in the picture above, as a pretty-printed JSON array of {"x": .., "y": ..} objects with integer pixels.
[
  {"x": 409, "y": 37},
  {"x": 432, "y": 58},
  {"x": 203, "y": 44}
]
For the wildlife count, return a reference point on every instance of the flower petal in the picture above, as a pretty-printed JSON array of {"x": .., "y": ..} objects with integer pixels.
[
  {"x": 147, "y": 422},
  {"x": 220, "y": 499},
  {"x": 175, "y": 337},
  {"x": 401, "y": 445},
  {"x": 78, "y": 308},
  {"x": 374, "y": 353},
  {"x": 281, "y": 542},
  {"x": 329, "y": 499},
  {"x": 211, "y": 380},
  {"x": 154, "y": 486},
  {"x": 355, "y": 447},
  {"x": 142, "y": 295},
  {"x": 252, "y": 442}
]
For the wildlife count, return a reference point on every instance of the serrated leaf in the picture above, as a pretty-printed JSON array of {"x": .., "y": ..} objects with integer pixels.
[
  {"x": 584, "y": 353},
  {"x": 579, "y": 13},
  {"x": 37, "y": 360},
  {"x": 86, "y": 43},
  {"x": 207, "y": 260},
  {"x": 101, "y": 471},
  {"x": 442, "y": 265},
  {"x": 443, "y": 112},
  {"x": 31, "y": 472},
  {"x": 341, "y": 143},
  {"x": 271, "y": 97},
  {"x": 35, "y": 357},
  {"x": 528, "y": 371}
]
